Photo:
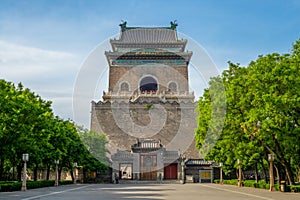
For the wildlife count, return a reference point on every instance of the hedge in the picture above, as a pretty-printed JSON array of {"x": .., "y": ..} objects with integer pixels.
[
  {"x": 65, "y": 182},
  {"x": 15, "y": 186},
  {"x": 260, "y": 184},
  {"x": 294, "y": 188},
  {"x": 228, "y": 182},
  {"x": 10, "y": 186}
]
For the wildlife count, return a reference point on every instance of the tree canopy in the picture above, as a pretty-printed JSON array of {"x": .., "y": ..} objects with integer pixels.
[
  {"x": 262, "y": 114},
  {"x": 28, "y": 125}
]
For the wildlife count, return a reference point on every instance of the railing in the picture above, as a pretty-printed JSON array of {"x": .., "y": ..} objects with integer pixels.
[
  {"x": 164, "y": 96},
  {"x": 147, "y": 94}
]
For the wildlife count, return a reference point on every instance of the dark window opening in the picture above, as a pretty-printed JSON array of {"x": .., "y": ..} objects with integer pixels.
[{"x": 148, "y": 84}]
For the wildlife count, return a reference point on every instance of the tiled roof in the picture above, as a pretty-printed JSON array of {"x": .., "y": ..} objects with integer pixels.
[
  {"x": 198, "y": 162},
  {"x": 149, "y": 35}
]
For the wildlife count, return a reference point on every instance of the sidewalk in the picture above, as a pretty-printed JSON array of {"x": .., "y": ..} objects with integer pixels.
[{"x": 255, "y": 192}]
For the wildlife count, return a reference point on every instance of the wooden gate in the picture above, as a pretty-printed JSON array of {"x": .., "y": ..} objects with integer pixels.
[
  {"x": 170, "y": 171},
  {"x": 148, "y": 167}
]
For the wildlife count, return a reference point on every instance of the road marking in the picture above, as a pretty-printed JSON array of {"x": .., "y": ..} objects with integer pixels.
[
  {"x": 247, "y": 194},
  {"x": 53, "y": 193}
]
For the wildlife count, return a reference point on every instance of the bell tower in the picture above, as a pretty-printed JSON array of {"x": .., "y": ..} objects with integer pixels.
[{"x": 148, "y": 98}]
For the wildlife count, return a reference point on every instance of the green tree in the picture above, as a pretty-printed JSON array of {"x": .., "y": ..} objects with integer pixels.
[
  {"x": 23, "y": 126},
  {"x": 95, "y": 143},
  {"x": 262, "y": 113},
  {"x": 28, "y": 126},
  {"x": 275, "y": 81}
]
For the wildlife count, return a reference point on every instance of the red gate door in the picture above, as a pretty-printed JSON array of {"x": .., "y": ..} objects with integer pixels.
[{"x": 170, "y": 171}]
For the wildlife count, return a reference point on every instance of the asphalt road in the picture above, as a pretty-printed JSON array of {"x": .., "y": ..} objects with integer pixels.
[{"x": 147, "y": 192}]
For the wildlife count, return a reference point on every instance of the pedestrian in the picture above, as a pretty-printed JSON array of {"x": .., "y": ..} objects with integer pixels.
[
  {"x": 116, "y": 178},
  {"x": 160, "y": 178}
]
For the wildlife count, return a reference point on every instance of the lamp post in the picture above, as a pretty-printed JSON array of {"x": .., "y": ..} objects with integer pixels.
[
  {"x": 182, "y": 166},
  {"x": 221, "y": 173},
  {"x": 56, "y": 172},
  {"x": 25, "y": 158},
  {"x": 240, "y": 174},
  {"x": 182, "y": 171},
  {"x": 271, "y": 160},
  {"x": 75, "y": 165}
]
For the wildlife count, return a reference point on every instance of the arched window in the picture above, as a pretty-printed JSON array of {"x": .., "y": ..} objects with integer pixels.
[
  {"x": 124, "y": 87},
  {"x": 148, "y": 84},
  {"x": 172, "y": 87}
]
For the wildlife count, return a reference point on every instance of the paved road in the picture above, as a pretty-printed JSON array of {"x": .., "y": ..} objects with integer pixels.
[{"x": 147, "y": 192}]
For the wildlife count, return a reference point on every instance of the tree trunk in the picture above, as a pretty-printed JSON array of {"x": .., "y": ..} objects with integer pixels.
[
  {"x": 48, "y": 172},
  {"x": 288, "y": 170},
  {"x": 19, "y": 171},
  {"x": 256, "y": 173},
  {"x": 72, "y": 175},
  {"x": 35, "y": 172},
  {"x": 13, "y": 174},
  {"x": 243, "y": 175},
  {"x": 283, "y": 161},
  {"x": 1, "y": 168},
  {"x": 264, "y": 172},
  {"x": 299, "y": 175},
  {"x": 277, "y": 174},
  {"x": 289, "y": 174},
  {"x": 59, "y": 172}
]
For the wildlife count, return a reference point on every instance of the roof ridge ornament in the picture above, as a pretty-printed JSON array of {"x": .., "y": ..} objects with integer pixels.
[
  {"x": 123, "y": 25},
  {"x": 174, "y": 24}
]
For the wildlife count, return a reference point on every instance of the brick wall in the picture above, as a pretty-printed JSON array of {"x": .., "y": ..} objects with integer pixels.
[
  {"x": 163, "y": 75},
  {"x": 176, "y": 130}
]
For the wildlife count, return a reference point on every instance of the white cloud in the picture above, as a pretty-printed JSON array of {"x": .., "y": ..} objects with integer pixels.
[
  {"x": 17, "y": 61},
  {"x": 51, "y": 74}
]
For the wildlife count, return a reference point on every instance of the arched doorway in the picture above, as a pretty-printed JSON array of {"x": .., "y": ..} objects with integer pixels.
[{"x": 148, "y": 84}]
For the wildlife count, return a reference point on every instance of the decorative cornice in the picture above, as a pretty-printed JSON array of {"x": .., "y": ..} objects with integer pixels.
[{"x": 146, "y": 97}]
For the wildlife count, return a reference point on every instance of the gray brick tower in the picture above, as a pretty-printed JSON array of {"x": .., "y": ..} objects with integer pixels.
[{"x": 148, "y": 111}]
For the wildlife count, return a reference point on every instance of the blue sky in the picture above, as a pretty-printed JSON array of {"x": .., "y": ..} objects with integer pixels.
[{"x": 43, "y": 43}]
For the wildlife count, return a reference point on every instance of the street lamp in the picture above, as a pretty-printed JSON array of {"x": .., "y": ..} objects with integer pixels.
[
  {"x": 181, "y": 156},
  {"x": 271, "y": 160},
  {"x": 240, "y": 173},
  {"x": 25, "y": 158},
  {"x": 75, "y": 165},
  {"x": 221, "y": 173},
  {"x": 56, "y": 172},
  {"x": 182, "y": 171}
]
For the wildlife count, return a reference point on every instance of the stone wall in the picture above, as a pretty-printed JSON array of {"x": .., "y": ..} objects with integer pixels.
[{"x": 171, "y": 123}]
